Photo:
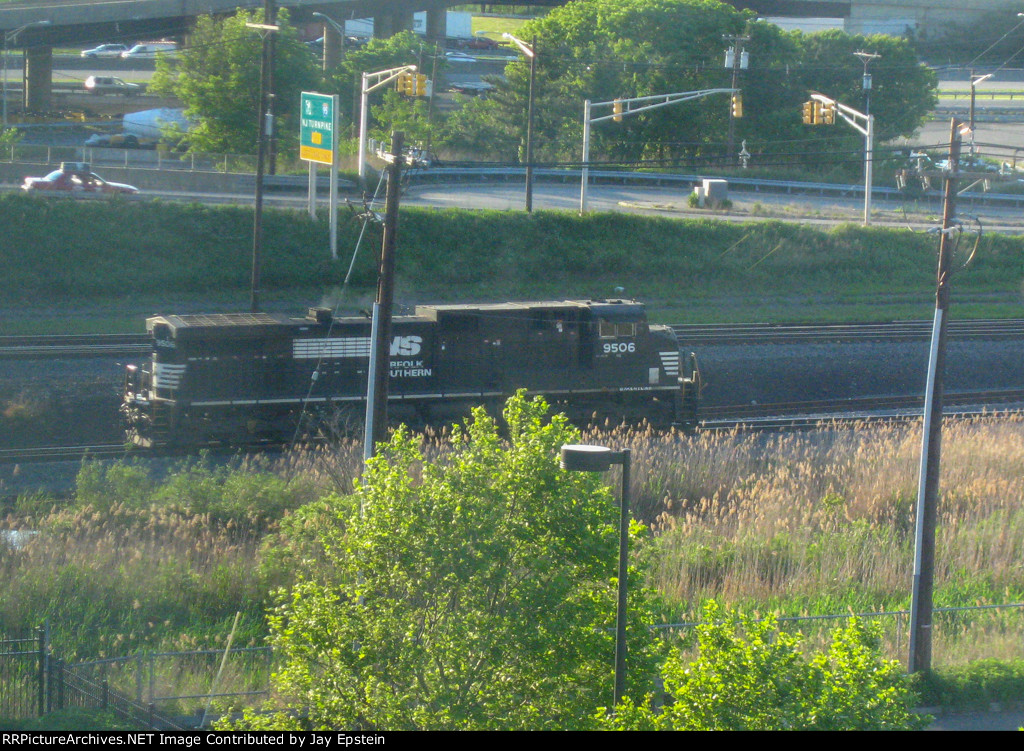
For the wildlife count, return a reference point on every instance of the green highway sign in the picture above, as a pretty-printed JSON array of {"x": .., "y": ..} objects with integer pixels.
[{"x": 318, "y": 123}]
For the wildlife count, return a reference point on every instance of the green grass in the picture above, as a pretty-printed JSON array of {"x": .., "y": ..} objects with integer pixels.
[
  {"x": 106, "y": 265},
  {"x": 74, "y": 718}
]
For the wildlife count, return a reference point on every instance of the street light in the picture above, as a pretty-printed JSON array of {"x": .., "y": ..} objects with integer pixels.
[
  {"x": 530, "y": 50},
  {"x": 266, "y": 127},
  {"x": 584, "y": 458},
  {"x": 10, "y": 36}
]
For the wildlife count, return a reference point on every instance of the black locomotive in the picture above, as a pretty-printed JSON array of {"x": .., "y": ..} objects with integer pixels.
[{"x": 250, "y": 377}]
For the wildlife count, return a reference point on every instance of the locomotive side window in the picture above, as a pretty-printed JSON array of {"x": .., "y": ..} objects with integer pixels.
[{"x": 613, "y": 329}]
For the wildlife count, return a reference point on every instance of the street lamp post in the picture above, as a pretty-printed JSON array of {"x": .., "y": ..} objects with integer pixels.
[
  {"x": 339, "y": 29},
  {"x": 10, "y": 36},
  {"x": 266, "y": 125},
  {"x": 584, "y": 458},
  {"x": 530, "y": 50}
]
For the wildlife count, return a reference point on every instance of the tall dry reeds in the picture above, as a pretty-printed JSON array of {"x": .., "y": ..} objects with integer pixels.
[{"x": 823, "y": 520}]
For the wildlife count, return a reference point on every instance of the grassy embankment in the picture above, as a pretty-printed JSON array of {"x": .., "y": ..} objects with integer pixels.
[{"x": 103, "y": 266}]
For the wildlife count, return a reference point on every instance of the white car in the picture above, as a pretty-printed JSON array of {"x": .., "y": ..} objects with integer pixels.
[
  {"x": 106, "y": 50},
  {"x": 151, "y": 50}
]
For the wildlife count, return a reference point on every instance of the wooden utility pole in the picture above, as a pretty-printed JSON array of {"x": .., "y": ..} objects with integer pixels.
[
  {"x": 266, "y": 95},
  {"x": 529, "y": 126},
  {"x": 270, "y": 17},
  {"x": 931, "y": 448},
  {"x": 737, "y": 61},
  {"x": 380, "y": 355}
]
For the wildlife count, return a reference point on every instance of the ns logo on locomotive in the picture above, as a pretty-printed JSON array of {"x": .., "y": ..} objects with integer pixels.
[{"x": 250, "y": 377}]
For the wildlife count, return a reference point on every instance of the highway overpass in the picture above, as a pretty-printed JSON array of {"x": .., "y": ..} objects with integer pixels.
[{"x": 71, "y": 23}]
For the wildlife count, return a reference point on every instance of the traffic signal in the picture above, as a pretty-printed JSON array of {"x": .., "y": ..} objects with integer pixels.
[
  {"x": 817, "y": 112},
  {"x": 808, "y": 113},
  {"x": 617, "y": 110},
  {"x": 406, "y": 84},
  {"x": 421, "y": 85},
  {"x": 828, "y": 113},
  {"x": 737, "y": 105}
]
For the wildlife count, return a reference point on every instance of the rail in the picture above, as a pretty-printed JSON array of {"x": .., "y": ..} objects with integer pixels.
[
  {"x": 769, "y": 333},
  {"x": 740, "y": 334}
]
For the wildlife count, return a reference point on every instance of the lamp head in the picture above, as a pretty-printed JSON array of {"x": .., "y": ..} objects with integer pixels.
[{"x": 584, "y": 458}]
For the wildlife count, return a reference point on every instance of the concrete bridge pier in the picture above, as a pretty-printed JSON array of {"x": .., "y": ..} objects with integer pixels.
[
  {"x": 332, "y": 47},
  {"x": 437, "y": 24},
  {"x": 388, "y": 24},
  {"x": 37, "y": 79}
]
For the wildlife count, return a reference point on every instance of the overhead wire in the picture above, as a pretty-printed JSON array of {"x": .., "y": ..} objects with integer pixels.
[{"x": 367, "y": 218}]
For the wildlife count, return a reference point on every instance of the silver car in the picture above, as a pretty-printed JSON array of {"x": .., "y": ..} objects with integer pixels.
[{"x": 105, "y": 50}]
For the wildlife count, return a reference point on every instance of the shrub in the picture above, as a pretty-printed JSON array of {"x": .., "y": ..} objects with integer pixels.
[
  {"x": 751, "y": 676},
  {"x": 473, "y": 593}
]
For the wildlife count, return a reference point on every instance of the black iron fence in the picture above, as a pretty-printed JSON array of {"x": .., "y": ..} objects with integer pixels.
[
  {"x": 136, "y": 689},
  {"x": 22, "y": 674}
]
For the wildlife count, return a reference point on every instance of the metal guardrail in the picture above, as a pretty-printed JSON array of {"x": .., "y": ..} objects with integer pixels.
[
  {"x": 229, "y": 164},
  {"x": 440, "y": 175}
]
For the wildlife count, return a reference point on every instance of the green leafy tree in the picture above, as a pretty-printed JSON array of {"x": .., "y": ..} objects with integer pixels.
[
  {"x": 607, "y": 49},
  {"x": 476, "y": 592},
  {"x": 903, "y": 91},
  {"x": 10, "y": 136},
  {"x": 389, "y": 110},
  {"x": 751, "y": 676},
  {"x": 217, "y": 78}
]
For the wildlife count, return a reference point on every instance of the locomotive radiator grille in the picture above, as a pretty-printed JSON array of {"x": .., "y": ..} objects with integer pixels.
[{"x": 331, "y": 349}]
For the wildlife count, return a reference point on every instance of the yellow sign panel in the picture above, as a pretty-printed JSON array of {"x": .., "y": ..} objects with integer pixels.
[{"x": 313, "y": 154}]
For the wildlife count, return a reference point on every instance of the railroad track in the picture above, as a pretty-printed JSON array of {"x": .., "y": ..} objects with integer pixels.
[
  {"x": 716, "y": 420},
  {"x": 861, "y": 405},
  {"x": 132, "y": 345},
  {"x": 783, "y": 423},
  {"x": 895, "y": 331},
  {"x": 61, "y": 453},
  {"x": 74, "y": 345}
]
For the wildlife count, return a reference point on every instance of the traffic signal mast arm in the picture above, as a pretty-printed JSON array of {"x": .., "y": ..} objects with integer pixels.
[
  {"x": 380, "y": 78},
  {"x": 384, "y": 77},
  {"x": 822, "y": 109},
  {"x": 849, "y": 114},
  {"x": 625, "y": 106},
  {"x": 618, "y": 112}
]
